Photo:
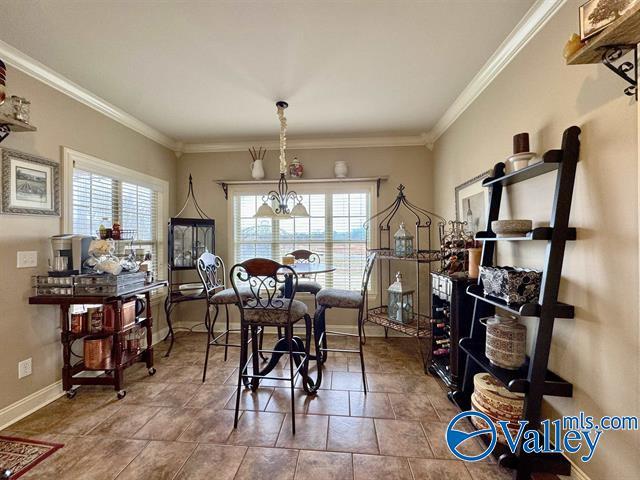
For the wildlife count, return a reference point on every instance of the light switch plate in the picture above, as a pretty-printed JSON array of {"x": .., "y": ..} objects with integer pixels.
[
  {"x": 27, "y": 259},
  {"x": 24, "y": 368}
]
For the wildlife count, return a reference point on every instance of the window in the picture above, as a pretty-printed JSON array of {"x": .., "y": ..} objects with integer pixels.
[
  {"x": 102, "y": 193},
  {"x": 334, "y": 229}
]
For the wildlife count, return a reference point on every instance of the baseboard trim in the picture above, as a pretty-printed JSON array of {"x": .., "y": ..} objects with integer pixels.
[{"x": 31, "y": 403}]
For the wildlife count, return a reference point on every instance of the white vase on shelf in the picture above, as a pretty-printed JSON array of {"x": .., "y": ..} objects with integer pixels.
[
  {"x": 340, "y": 169},
  {"x": 257, "y": 169}
]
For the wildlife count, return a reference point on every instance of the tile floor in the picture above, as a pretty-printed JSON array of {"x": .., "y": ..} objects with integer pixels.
[{"x": 172, "y": 426}]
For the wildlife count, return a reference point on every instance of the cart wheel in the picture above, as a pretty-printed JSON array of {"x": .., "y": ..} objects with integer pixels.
[
  {"x": 72, "y": 393},
  {"x": 121, "y": 394},
  {"x": 152, "y": 371}
]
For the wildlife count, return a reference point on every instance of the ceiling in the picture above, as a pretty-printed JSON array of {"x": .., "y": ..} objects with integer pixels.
[{"x": 210, "y": 71}]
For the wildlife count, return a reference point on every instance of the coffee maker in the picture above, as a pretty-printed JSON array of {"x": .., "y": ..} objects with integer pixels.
[{"x": 69, "y": 253}]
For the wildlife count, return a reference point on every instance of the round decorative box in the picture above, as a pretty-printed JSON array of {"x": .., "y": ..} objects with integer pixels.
[
  {"x": 499, "y": 404},
  {"x": 481, "y": 424},
  {"x": 481, "y": 404},
  {"x": 492, "y": 394},
  {"x": 506, "y": 342}
]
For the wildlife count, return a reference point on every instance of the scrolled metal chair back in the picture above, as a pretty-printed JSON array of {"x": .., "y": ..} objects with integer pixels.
[
  {"x": 305, "y": 256},
  {"x": 211, "y": 272},
  {"x": 366, "y": 275},
  {"x": 262, "y": 279}
]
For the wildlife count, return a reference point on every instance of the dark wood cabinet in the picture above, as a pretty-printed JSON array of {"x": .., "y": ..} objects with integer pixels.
[{"x": 451, "y": 315}]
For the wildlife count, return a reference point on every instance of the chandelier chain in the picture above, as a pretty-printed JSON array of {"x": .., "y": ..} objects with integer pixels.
[{"x": 283, "y": 139}]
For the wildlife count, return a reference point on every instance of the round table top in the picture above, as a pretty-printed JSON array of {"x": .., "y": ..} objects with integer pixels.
[{"x": 312, "y": 268}]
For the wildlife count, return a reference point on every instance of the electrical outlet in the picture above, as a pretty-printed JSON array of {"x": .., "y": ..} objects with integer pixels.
[
  {"x": 27, "y": 259},
  {"x": 24, "y": 368}
]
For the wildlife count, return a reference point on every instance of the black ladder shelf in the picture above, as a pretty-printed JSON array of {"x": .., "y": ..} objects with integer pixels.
[{"x": 533, "y": 379}]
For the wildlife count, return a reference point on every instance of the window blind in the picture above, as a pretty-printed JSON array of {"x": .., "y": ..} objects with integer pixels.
[
  {"x": 103, "y": 200},
  {"x": 334, "y": 230}
]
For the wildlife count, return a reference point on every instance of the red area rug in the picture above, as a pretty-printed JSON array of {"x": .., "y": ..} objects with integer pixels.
[{"x": 20, "y": 455}]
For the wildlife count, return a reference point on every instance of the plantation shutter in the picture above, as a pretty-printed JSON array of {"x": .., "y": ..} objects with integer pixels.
[
  {"x": 103, "y": 200},
  {"x": 334, "y": 230}
]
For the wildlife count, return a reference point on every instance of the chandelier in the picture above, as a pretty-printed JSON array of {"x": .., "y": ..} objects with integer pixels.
[{"x": 282, "y": 198}]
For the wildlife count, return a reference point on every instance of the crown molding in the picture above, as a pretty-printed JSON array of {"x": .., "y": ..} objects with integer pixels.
[
  {"x": 30, "y": 66},
  {"x": 535, "y": 18},
  {"x": 302, "y": 144}
]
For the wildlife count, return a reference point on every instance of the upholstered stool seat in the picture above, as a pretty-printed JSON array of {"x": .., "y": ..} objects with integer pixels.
[
  {"x": 228, "y": 296},
  {"x": 307, "y": 286},
  {"x": 338, "y": 298},
  {"x": 277, "y": 315}
]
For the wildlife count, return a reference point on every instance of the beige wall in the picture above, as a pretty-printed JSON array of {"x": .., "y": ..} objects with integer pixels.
[
  {"x": 598, "y": 350},
  {"x": 410, "y": 166},
  {"x": 32, "y": 331}
]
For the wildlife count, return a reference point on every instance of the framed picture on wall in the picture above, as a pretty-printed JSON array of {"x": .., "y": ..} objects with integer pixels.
[
  {"x": 30, "y": 184},
  {"x": 595, "y": 15},
  {"x": 472, "y": 200}
]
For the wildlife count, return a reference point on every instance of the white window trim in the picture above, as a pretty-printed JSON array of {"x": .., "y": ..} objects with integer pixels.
[
  {"x": 264, "y": 187},
  {"x": 73, "y": 158}
]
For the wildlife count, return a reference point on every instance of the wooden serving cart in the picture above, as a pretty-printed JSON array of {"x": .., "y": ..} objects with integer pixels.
[{"x": 121, "y": 358}]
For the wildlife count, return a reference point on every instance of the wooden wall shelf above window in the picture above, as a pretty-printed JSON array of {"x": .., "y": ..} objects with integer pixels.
[{"x": 225, "y": 183}]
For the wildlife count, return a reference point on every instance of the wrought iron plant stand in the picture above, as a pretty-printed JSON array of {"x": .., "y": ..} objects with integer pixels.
[{"x": 422, "y": 257}]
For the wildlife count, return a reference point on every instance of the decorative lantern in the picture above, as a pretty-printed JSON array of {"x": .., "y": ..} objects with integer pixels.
[
  {"x": 400, "y": 307},
  {"x": 403, "y": 242}
]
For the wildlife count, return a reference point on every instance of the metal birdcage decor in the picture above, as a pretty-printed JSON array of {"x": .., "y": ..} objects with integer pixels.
[
  {"x": 406, "y": 309},
  {"x": 190, "y": 237},
  {"x": 400, "y": 301},
  {"x": 403, "y": 242}
]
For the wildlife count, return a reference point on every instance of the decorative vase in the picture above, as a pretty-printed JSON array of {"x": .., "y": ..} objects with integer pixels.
[
  {"x": 296, "y": 168},
  {"x": 257, "y": 169},
  {"x": 340, "y": 169}
]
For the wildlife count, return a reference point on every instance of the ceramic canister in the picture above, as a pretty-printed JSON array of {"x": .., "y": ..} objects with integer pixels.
[{"x": 506, "y": 342}]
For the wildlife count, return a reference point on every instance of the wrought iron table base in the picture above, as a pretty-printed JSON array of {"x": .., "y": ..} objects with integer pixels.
[{"x": 282, "y": 348}]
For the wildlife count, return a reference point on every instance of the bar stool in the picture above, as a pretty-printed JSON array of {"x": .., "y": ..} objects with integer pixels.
[
  {"x": 266, "y": 308},
  {"x": 306, "y": 283},
  {"x": 338, "y": 298},
  {"x": 212, "y": 273}
]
